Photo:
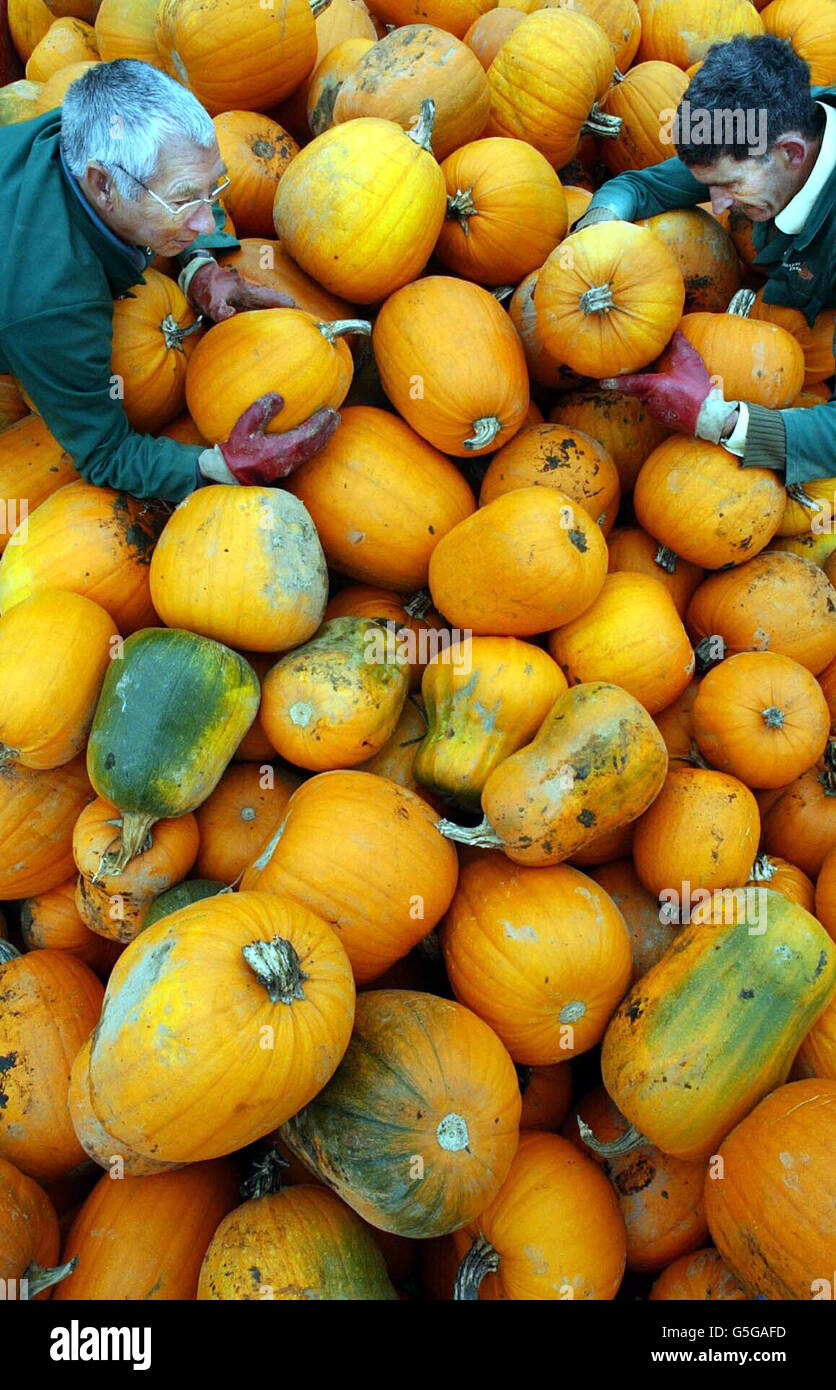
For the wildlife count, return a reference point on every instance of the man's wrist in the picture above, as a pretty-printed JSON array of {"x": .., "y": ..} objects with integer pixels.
[
  {"x": 193, "y": 262},
  {"x": 730, "y": 423}
]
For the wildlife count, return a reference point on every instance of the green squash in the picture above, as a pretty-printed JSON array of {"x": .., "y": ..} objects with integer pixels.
[{"x": 191, "y": 890}]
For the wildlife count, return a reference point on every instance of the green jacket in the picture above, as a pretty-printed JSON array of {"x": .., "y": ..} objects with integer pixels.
[
  {"x": 801, "y": 272},
  {"x": 61, "y": 269}
]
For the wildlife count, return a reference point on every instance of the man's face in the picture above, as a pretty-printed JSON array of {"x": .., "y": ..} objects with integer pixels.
[
  {"x": 760, "y": 188},
  {"x": 182, "y": 174}
]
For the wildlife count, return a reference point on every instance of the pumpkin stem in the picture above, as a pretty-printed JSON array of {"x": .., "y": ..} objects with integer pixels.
[
  {"x": 597, "y": 300},
  {"x": 451, "y": 1133},
  {"x": 317, "y": 6},
  {"x": 8, "y": 952},
  {"x": 277, "y": 967},
  {"x": 763, "y": 869},
  {"x": 503, "y": 292},
  {"x": 418, "y": 605},
  {"x": 481, "y": 1259},
  {"x": 797, "y": 493},
  {"x": 709, "y": 653},
  {"x": 7, "y": 754},
  {"x": 617, "y": 77},
  {"x": 600, "y": 123},
  {"x": 422, "y": 130},
  {"x": 332, "y": 331},
  {"x": 136, "y": 826},
  {"x": 773, "y": 717},
  {"x": 827, "y": 776},
  {"x": 173, "y": 333},
  {"x": 483, "y": 836},
  {"x": 624, "y": 1144},
  {"x": 460, "y": 206},
  {"x": 741, "y": 303},
  {"x": 429, "y": 946},
  {"x": 696, "y": 758},
  {"x": 666, "y": 559},
  {"x": 39, "y": 1278},
  {"x": 265, "y": 1175},
  {"x": 485, "y": 430}
]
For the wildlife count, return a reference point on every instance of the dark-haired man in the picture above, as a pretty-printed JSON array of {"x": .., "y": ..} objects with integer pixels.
[{"x": 752, "y": 134}]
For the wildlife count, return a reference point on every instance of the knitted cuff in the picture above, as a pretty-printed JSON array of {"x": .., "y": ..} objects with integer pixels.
[{"x": 766, "y": 440}]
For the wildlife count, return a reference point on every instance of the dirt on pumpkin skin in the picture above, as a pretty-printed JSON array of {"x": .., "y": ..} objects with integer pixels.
[{"x": 140, "y": 523}]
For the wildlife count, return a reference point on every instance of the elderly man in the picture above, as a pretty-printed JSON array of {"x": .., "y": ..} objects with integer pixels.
[
  {"x": 128, "y": 168},
  {"x": 751, "y": 133}
]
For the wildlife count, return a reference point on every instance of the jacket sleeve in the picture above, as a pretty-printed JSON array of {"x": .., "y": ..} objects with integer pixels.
[
  {"x": 644, "y": 192},
  {"x": 61, "y": 357}
]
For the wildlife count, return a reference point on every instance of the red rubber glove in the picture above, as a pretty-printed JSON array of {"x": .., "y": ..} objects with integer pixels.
[
  {"x": 683, "y": 396},
  {"x": 258, "y": 458},
  {"x": 218, "y": 292}
]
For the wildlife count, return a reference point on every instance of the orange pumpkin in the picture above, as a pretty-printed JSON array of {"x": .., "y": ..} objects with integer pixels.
[
  {"x": 239, "y": 816},
  {"x": 267, "y": 263},
  {"x": 809, "y": 29},
  {"x": 700, "y": 1277},
  {"x": 702, "y": 829},
  {"x": 809, "y": 505},
  {"x": 817, "y": 1053},
  {"x": 643, "y": 99},
  {"x": 50, "y": 921},
  {"x": 417, "y": 638},
  {"x": 704, "y": 252},
  {"x": 396, "y": 759},
  {"x": 709, "y": 21},
  {"x": 783, "y": 877},
  {"x": 93, "y": 1137},
  {"x": 825, "y": 895},
  {"x": 543, "y": 366},
  {"x": 816, "y": 341},
  {"x": 554, "y": 456},
  {"x": 127, "y": 29},
  {"x": 327, "y": 79},
  {"x": 37, "y": 813},
  {"x": 12, "y": 405},
  {"x": 749, "y": 359},
  {"x": 546, "y": 1095},
  {"x": 488, "y": 33},
  {"x": 29, "y": 1236},
  {"x": 454, "y": 15},
  {"x": 619, "y": 422},
  {"x": 53, "y": 91},
  {"x": 602, "y": 849},
  {"x": 28, "y": 21},
  {"x": 67, "y": 40},
  {"x": 800, "y": 824},
  {"x": 619, "y": 20},
  {"x": 633, "y": 549},
  {"x": 651, "y": 931},
  {"x": 255, "y": 746},
  {"x": 32, "y": 465},
  {"x": 256, "y": 152},
  {"x": 676, "y": 725}
]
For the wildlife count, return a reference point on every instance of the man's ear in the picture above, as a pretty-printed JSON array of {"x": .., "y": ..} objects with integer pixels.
[
  {"x": 99, "y": 184},
  {"x": 793, "y": 148}
]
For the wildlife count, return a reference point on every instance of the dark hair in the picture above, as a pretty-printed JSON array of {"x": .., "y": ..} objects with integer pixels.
[{"x": 755, "y": 82}]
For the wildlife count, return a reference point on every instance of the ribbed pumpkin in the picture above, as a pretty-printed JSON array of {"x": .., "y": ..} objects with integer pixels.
[
  {"x": 97, "y": 1144},
  {"x": 255, "y": 746},
  {"x": 704, "y": 252},
  {"x": 552, "y": 1232},
  {"x": 239, "y": 816},
  {"x": 435, "y": 1111},
  {"x": 12, "y": 405},
  {"x": 650, "y": 933},
  {"x": 783, "y": 877},
  {"x": 327, "y": 79},
  {"x": 488, "y": 33},
  {"x": 543, "y": 366},
  {"x": 809, "y": 504},
  {"x": 816, "y": 341},
  {"x": 631, "y": 636},
  {"x": 341, "y": 22},
  {"x": 453, "y": 15},
  {"x": 546, "y": 1095},
  {"x": 817, "y": 1053},
  {"x": 506, "y": 211},
  {"x": 643, "y": 99},
  {"x": 602, "y": 849},
  {"x": 365, "y": 230},
  {"x": 557, "y": 456},
  {"x": 618, "y": 18},
  {"x": 564, "y": 568},
  {"x": 810, "y": 545},
  {"x": 284, "y": 350},
  {"x": 825, "y": 897},
  {"x": 67, "y": 40},
  {"x": 53, "y": 91},
  {"x": 381, "y": 499},
  {"x": 776, "y": 1163},
  {"x": 29, "y": 1237},
  {"x": 762, "y": 980},
  {"x": 619, "y": 422},
  {"x": 32, "y": 465},
  {"x": 696, "y": 499},
  {"x": 91, "y": 541},
  {"x": 542, "y": 955},
  {"x": 750, "y": 359},
  {"x": 463, "y": 402},
  {"x": 702, "y": 829},
  {"x": 762, "y": 717},
  {"x": 263, "y": 590},
  {"x": 424, "y": 643},
  {"x": 776, "y": 602},
  {"x": 709, "y": 21},
  {"x": 127, "y": 29},
  {"x": 54, "y": 650},
  {"x": 234, "y": 55},
  {"x": 191, "y": 890},
  {"x": 396, "y": 759},
  {"x": 608, "y": 298},
  {"x": 800, "y": 823},
  {"x": 546, "y": 82},
  {"x": 695, "y": 1278},
  {"x": 484, "y": 698},
  {"x": 50, "y": 921},
  {"x": 365, "y": 855},
  {"x": 50, "y": 1004},
  {"x": 634, "y": 550},
  {"x": 37, "y": 813},
  {"x": 809, "y": 29},
  {"x": 162, "y": 757},
  {"x": 28, "y": 20},
  {"x": 256, "y": 151},
  {"x": 266, "y": 262}
]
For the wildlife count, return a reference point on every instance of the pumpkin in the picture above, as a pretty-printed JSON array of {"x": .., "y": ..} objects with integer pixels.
[
  {"x": 546, "y": 1095},
  {"x": 29, "y": 1237},
  {"x": 466, "y": 403},
  {"x": 66, "y": 41},
  {"x": 484, "y": 698},
  {"x": 114, "y": 904},
  {"x": 284, "y": 350},
  {"x": 762, "y": 717},
  {"x": 191, "y": 890},
  {"x": 816, "y": 340},
  {"x": 51, "y": 921},
  {"x": 255, "y": 746},
  {"x": 234, "y": 55},
  {"x": 239, "y": 816},
  {"x": 418, "y": 634},
  {"x": 631, "y": 636},
  {"x": 776, "y": 602},
  {"x": 32, "y": 465},
  {"x": 664, "y": 36},
  {"x": 660, "y": 1198},
  {"x": 702, "y": 829},
  {"x": 50, "y": 1003},
  {"x": 810, "y": 545},
  {"x": 184, "y": 430},
  {"x": 97, "y": 1144},
  {"x": 618, "y": 18},
  {"x": 704, "y": 252},
  {"x": 555, "y": 456},
  {"x": 453, "y": 15},
  {"x": 267, "y": 263},
  {"x": 696, "y": 499},
  {"x": 809, "y": 508},
  {"x": 435, "y": 1111},
  {"x": 54, "y": 650},
  {"x": 53, "y": 91},
  {"x": 763, "y": 990},
  {"x": 543, "y": 367},
  {"x": 800, "y": 824},
  {"x": 29, "y": 21},
  {"x": 92, "y": 541},
  {"x": 825, "y": 893},
  {"x": 12, "y": 405},
  {"x": 293, "y": 1245},
  {"x": 506, "y": 210},
  {"x": 546, "y": 82},
  {"x": 650, "y": 930},
  {"x": 263, "y": 590},
  {"x": 783, "y": 877},
  {"x": 341, "y": 22},
  {"x": 749, "y": 359},
  {"x": 542, "y": 955},
  {"x": 396, "y": 759},
  {"x": 285, "y": 981},
  {"x": 817, "y": 1053},
  {"x": 399, "y": 875},
  {"x": 256, "y": 151},
  {"x": 644, "y": 99},
  {"x": 381, "y": 499},
  {"x": 701, "y": 1276},
  {"x": 618, "y": 422},
  {"x": 37, "y": 814},
  {"x": 602, "y": 849},
  {"x": 608, "y": 298},
  {"x": 634, "y": 550},
  {"x": 327, "y": 79},
  {"x": 564, "y": 569},
  {"x": 153, "y": 339},
  {"x": 777, "y": 1161},
  {"x": 127, "y": 29},
  {"x": 369, "y": 228},
  {"x": 488, "y": 33},
  {"x": 809, "y": 29},
  {"x": 162, "y": 757},
  {"x": 18, "y": 102},
  {"x": 138, "y": 1240},
  {"x": 553, "y": 1231}
]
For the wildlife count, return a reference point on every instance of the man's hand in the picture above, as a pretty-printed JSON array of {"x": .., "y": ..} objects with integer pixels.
[
  {"x": 218, "y": 293},
  {"x": 593, "y": 215},
  {"x": 253, "y": 457},
  {"x": 682, "y": 397}
]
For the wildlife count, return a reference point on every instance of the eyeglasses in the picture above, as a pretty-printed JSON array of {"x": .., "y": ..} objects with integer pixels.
[{"x": 181, "y": 207}]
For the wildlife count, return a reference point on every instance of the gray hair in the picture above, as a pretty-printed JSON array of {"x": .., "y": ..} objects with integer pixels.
[{"x": 123, "y": 112}]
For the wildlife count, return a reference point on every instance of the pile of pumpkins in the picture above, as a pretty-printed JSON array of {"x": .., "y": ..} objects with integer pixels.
[{"x": 420, "y": 877}]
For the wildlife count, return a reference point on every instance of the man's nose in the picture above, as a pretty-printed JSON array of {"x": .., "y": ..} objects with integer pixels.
[
  {"x": 201, "y": 221},
  {"x": 720, "y": 200}
]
